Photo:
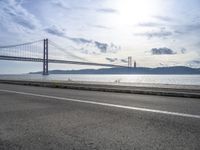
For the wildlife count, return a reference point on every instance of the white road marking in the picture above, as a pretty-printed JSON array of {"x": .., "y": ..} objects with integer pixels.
[{"x": 106, "y": 104}]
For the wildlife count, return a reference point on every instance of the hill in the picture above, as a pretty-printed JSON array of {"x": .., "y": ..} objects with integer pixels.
[{"x": 126, "y": 70}]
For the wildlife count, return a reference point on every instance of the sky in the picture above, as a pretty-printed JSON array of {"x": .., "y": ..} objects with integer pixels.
[{"x": 155, "y": 33}]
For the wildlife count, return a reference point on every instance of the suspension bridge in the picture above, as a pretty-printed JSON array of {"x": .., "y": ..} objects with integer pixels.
[{"x": 44, "y": 51}]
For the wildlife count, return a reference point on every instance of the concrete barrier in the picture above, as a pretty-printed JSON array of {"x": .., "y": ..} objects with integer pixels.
[{"x": 175, "y": 92}]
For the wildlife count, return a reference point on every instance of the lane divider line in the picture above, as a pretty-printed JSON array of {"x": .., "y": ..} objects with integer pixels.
[{"x": 106, "y": 104}]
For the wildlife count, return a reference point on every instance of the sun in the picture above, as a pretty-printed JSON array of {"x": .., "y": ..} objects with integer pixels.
[{"x": 133, "y": 11}]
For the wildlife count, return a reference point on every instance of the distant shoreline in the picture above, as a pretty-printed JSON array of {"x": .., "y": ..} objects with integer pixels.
[{"x": 176, "y": 70}]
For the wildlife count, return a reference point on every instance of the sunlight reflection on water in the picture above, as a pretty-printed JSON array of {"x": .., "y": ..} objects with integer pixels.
[{"x": 142, "y": 79}]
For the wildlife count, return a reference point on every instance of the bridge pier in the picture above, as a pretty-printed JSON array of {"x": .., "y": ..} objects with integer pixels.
[{"x": 45, "y": 58}]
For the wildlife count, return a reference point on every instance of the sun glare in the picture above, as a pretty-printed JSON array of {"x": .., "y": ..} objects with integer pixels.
[{"x": 132, "y": 11}]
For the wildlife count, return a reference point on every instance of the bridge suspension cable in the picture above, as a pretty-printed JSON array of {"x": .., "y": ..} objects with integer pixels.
[
  {"x": 38, "y": 51},
  {"x": 28, "y": 43},
  {"x": 26, "y": 50},
  {"x": 65, "y": 51}
]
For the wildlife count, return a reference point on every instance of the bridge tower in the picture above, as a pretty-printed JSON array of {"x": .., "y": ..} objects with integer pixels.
[
  {"x": 129, "y": 61},
  {"x": 45, "y": 57},
  {"x": 135, "y": 65}
]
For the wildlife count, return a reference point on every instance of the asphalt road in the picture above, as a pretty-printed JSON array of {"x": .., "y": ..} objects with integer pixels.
[{"x": 39, "y": 118}]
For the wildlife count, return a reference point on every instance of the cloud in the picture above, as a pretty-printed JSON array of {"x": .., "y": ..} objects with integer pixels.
[
  {"x": 116, "y": 60},
  {"x": 84, "y": 43},
  {"x": 64, "y": 5},
  {"x": 25, "y": 23},
  {"x": 87, "y": 46},
  {"x": 149, "y": 24},
  {"x": 162, "y": 33},
  {"x": 162, "y": 51},
  {"x": 55, "y": 31},
  {"x": 124, "y": 60},
  {"x": 91, "y": 44},
  {"x": 111, "y": 59},
  {"x": 192, "y": 27},
  {"x": 107, "y": 10},
  {"x": 163, "y": 18},
  {"x": 15, "y": 18},
  {"x": 100, "y": 26},
  {"x": 197, "y": 44},
  {"x": 178, "y": 31},
  {"x": 183, "y": 50},
  {"x": 102, "y": 46},
  {"x": 60, "y": 4},
  {"x": 79, "y": 40},
  {"x": 175, "y": 29},
  {"x": 196, "y": 61}
]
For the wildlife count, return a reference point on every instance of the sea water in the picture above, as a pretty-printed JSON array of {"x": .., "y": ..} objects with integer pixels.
[{"x": 130, "y": 79}]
